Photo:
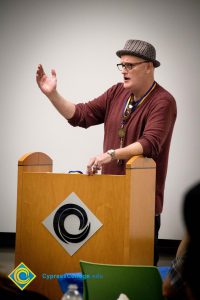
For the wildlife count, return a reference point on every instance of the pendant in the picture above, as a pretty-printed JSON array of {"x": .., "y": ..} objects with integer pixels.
[{"x": 121, "y": 132}]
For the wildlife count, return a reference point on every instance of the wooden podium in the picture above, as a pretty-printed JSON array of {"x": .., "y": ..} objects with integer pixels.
[{"x": 125, "y": 204}]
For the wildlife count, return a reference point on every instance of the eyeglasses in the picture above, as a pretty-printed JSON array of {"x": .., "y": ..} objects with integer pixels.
[{"x": 130, "y": 66}]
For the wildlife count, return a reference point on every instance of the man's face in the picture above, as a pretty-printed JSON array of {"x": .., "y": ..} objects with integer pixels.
[{"x": 134, "y": 71}]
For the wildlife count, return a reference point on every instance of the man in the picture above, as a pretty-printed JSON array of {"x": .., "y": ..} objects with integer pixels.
[{"x": 138, "y": 116}]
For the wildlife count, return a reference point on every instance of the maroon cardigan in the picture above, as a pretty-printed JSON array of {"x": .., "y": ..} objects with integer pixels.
[{"x": 151, "y": 124}]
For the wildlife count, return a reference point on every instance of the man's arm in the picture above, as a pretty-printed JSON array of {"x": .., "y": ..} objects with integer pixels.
[
  {"x": 127, "y": 152},
  {"x": 48, "y": 86}
]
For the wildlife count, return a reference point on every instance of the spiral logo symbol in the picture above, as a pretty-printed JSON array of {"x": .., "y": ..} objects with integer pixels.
[
  {"x": 22, "y": 276},
  {"x": 59, "y": 223},
  {"x": 72, "y": 223}
]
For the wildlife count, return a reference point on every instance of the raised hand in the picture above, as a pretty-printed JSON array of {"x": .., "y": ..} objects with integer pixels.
[{"x": 46, "y": 84}]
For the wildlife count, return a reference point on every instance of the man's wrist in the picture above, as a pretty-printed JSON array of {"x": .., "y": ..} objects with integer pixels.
[
  {"x": 53, "y": 96},
  {"x": 111, "y": 152}
]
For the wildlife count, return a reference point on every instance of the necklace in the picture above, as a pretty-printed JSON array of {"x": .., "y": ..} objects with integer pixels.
[{"x": 130, "y": 107}]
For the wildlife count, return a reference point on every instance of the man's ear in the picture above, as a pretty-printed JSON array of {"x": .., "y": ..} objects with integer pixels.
[{"x": 149, "y": 67}]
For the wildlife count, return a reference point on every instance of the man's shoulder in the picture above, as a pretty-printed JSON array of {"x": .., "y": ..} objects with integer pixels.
[
  {"x": 163, "y": 93},
  {"x": 118, "y": 87},
  {"x": 161, "y": 98},
  {"x": 117, "y": 90}
]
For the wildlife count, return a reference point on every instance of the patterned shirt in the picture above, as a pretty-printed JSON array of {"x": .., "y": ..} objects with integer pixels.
[{"x": 176, "y": 279}]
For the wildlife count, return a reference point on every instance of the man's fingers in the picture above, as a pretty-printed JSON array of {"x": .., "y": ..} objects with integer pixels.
[
  {"x": 96, "y": 167},
  {"x": 89, "y": 166},
  {"x": 40, "y": 71},
  {"x": 53, "y": 73},
  {"x": 91, "y": 162},
  {"x": 93, "y": 166}
]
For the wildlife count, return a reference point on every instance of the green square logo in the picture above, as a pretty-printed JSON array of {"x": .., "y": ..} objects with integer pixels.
[{"x": 22, "y": 276}]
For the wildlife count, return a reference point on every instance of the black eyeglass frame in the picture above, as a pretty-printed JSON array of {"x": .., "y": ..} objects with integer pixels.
[{"x": 130, "y": 66}]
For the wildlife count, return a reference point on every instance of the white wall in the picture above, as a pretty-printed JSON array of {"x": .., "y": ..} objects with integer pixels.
[{"x": 79, "y": 39}]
